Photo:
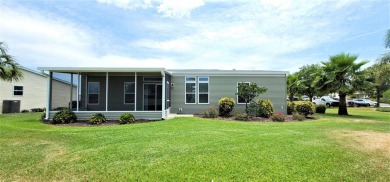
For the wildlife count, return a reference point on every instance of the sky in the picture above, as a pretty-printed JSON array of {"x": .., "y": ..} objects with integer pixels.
[{"x": 280, "y": 35}]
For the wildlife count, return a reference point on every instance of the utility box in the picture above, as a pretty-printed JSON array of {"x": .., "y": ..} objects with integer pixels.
[{"x": 11, "y": 106}]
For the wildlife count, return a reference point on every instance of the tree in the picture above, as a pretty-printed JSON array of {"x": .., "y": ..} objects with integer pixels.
[
  {"x": 340, "y": 74},
  {"x": 306, "y": 76},
  {"x": 293, "y": 85},
  {"x": 9, "y": 69},
  {"x": 387, "y": 39},
  {"x": 379, "y": 76},
  {"x": 248, "y": 92}
]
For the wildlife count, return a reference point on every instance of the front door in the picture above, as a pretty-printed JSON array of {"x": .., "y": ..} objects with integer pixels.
[{"x": 152, "y": 97}]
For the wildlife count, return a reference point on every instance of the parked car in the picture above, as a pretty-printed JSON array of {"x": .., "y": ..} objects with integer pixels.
[
  {"x": 326, "y": 100},
  {"x": 360, "y": 102},
  {"x": 372, "y": 103},
  {"x": 305, "y": 98}
]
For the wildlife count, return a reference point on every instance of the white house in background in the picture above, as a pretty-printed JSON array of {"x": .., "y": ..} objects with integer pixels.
[{"x": 31, "y": 92}]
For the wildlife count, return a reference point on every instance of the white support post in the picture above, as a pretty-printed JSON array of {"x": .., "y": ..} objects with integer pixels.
[
  {"x": 135, "y": 91},
  {"x": 106, "y": 91},
  {"x": 48, "y": 101},
  {"x": 78, "y": 91},
  {"x": 163, "y": 95},
  {"x": 71, "y": 92}
]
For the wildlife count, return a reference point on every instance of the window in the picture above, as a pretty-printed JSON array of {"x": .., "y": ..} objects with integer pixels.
[
  {"x": 203, "y": 92},
  {"x": 190, "y": 90},
  {"x": 93, "y": 92},
  {"x": 129, "y": 92},
  {"x": 18, "y": 90},
  {"x": 241, "y": 100}
]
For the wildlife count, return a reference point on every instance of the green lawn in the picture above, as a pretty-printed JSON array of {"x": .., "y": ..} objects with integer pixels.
[{"x": 333, "y": 148}]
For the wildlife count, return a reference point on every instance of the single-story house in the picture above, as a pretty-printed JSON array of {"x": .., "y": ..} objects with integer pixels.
[
  {"x": 154, "y": 93},
  {"x": 31, "y": 92}
]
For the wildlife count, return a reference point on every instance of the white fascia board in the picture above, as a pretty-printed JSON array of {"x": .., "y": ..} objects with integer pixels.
[
  {"x": 99, "y": 69},
  {"x": 226, "y": 72}
]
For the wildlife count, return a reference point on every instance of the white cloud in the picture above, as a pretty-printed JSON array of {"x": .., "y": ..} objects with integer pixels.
[
  {"x": 169, "y": 8},
  {"x": 169, "y": 45}
]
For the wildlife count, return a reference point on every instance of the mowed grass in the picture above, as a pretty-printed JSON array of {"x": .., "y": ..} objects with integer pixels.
[{"x": 332, "y": 148}]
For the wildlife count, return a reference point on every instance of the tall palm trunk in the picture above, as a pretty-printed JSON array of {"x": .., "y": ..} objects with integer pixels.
[
  {"x": 378, "y": 96},
  {"x": 343, "y": 104}
]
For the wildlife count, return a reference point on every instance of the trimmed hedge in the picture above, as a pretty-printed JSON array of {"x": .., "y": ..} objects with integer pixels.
[
  {"x": 241, "y": 116},
  {"x": 265, "y": 108},
  {"x": 97, "y": 118},
  {"x": 211, "y": 113},
  {"x": 290, "y": 108},
  {"x": 126, "y": 118},
  {"x": 64, "y": 116},
  {"x": 304, "y": 108},
  {"x": 320, "y": 109},
  {"x": 226, "y": 106}
]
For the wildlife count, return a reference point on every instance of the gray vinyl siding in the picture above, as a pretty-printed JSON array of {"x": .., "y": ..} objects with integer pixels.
[
  {"x": 157, "y": 115},
  {"x": 101, "y": 106},
  {"x": 226, "y": 86},
  {"x": 116, "y": 93}
]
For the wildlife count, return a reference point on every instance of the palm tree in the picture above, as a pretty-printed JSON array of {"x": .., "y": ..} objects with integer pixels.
[
  {"x": 380, "y": 75},
  {"x": 340, "y": 74},
  {"x": 9, "y": 69},
  {"x": 292, "y": 86}
]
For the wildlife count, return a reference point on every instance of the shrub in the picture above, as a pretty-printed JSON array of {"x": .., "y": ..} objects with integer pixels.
[
  {"x": 60, "y": 108},
  {"x": 211, "y": 113},
  {"x": 97, "y": 118},
  {"x": 320, "y": 108},
  {"x": 24, "y": 111},
  {"x": 304, "y": 108},
  {"x": 241, "y": 116},
  {"x": 226, "y": 106},
  {"x": 64, "y": 116},
  {"x": 126, "y": 118},
  {"x": 278, "y": 116},
  {"x": 265, "y": 108},
  {"x": 290, "y": 108},
  {"x": 298, "y": 117},
  {"x": 383, "y": 109},
  {"x": 43, "y": 115},
  {"x": 37, "y": 109}
]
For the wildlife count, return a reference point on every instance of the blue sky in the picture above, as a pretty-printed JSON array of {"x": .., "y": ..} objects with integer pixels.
[{"x": 195, "y": 34}]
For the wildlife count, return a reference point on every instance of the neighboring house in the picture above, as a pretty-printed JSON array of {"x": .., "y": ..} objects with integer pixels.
[
  {"x": 31, "y": 92},
  {"x": 154, "y": 93}
]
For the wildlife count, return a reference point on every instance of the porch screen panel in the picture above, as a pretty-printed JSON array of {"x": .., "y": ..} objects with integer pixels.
[
  {"x": 93, "y": 92},
  {"x": 129, "y": 92}
]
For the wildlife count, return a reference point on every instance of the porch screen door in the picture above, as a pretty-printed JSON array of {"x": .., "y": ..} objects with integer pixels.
[{"x": 152, "y": 97}]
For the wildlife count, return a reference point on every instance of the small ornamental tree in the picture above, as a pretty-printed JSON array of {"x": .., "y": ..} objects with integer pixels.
[{"x": 248, "y": 92}]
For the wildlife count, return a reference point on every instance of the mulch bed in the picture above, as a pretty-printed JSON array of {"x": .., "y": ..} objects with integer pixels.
[
  {"x": 288, "y": 118},
  {"x": 86, "y": 123}
]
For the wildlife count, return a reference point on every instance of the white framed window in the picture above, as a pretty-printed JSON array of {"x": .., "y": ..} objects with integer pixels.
[
  {"x": 241, "y": 100},
  {"x": 93, "y": 92},
  {"x": 203, "y": 90},
  {"x": 190, "y": 90},
  {"x": 129, "y": 92},
  {"x": 18, "y": 90}
]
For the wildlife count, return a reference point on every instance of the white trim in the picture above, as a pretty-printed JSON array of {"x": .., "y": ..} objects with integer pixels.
[
  {"x": 237, "y": 92},
  {"x": 185, "y": 88},
  {"x": 71, "y": 92},
  {"x": 48, "y": 97},
  {"x": 93, "y": 93},
  {"x": 135, "y": 91},
  {"x": 106, "y": 91},
  {"x": 124, "y": 93},
  {"x": 78, "y": 91},
  {"x": 163, "y": 98},
  {"x": 208, "y": 89}
]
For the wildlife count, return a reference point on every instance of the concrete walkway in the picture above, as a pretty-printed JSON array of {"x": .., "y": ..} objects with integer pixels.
[{"x": 173, "y": 115}]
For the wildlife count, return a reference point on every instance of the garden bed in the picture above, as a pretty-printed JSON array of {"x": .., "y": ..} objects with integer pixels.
[
  {"x": 288, "y": 118},
  {"x": 86, "y": 123}
]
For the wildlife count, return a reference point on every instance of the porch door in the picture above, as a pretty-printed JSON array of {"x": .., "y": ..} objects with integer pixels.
[{"x": 152, "y": 97}]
